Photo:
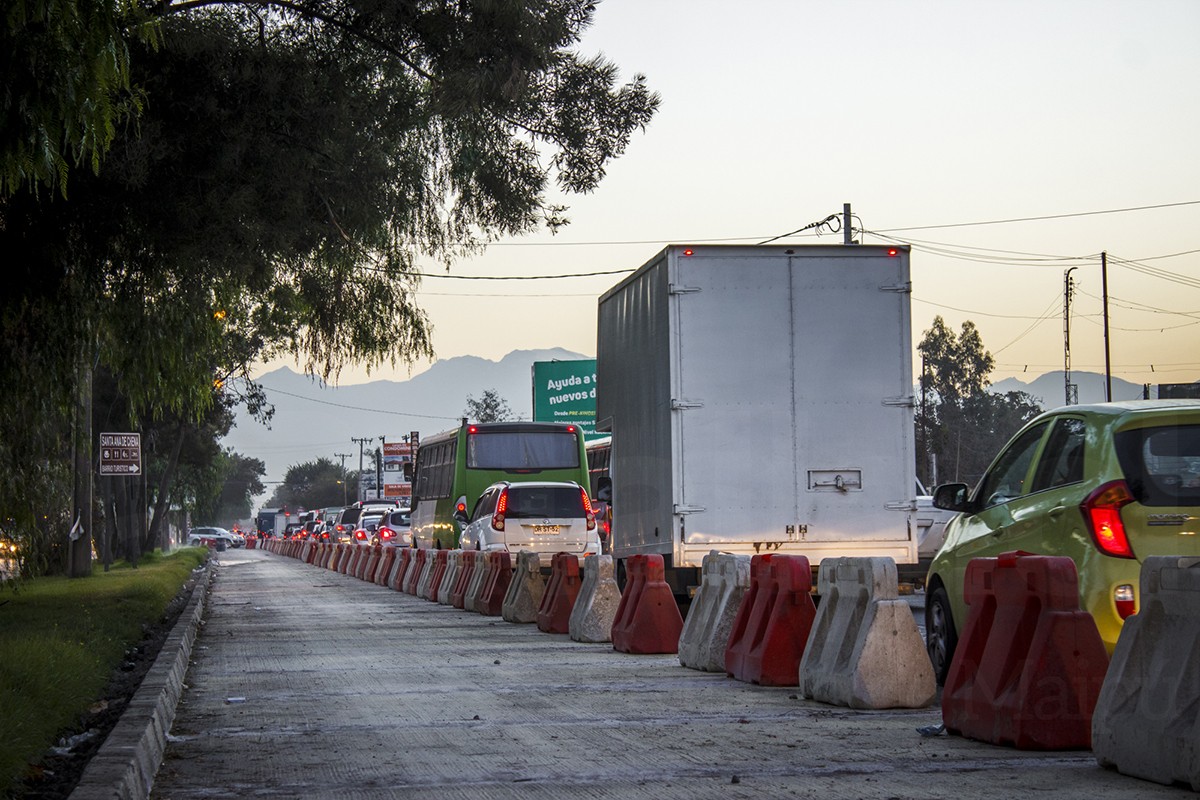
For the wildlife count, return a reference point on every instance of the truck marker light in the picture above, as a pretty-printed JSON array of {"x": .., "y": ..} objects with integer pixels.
[
  {"x": 688, "y": 251},
  {"x": 893, "y": 251}
]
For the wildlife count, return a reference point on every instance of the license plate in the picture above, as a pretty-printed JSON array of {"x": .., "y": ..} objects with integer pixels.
[{"x": 545, "y": 529}]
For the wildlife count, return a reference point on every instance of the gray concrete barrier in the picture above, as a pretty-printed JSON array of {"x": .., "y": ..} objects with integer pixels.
[
  {"x": 524, "y": 595},
  {"x": 723, "y": 583},
  {"x": 596, "y": 606},
  {"x": 1145, "y": 722},
  {"x": 864, "y": 650},
  {"x": 452, "y": 566},
  {"x": 426, "y": 576}
]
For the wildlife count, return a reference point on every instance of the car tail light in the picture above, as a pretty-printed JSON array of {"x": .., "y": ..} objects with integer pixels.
[
  {"x": 1124, "y": 600},
  {"x": 501, "y": 507},
  {"x": 386, "y": 534},
  {"x": 1102, "y": 511},
  {"x": 361, "y": 535},
  {"x": 587, "y": 508}
]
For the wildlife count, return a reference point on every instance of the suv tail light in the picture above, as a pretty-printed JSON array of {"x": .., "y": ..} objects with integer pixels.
[
  {"x": 587, "y": 508},
  {"x": 501, "y": 507},
  {"x": 1102, "y": 511},
  {"x": 361, "y": 535},
  {"x": 386, "y": 533}
]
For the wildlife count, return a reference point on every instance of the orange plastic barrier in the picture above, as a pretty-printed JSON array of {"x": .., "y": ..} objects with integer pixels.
[
  {"x": 385, "y": 566},
  {"x": 554, "y": 614},
  {"x": 491, "y": 598},
  {"x": 414, "y": 571},
  {"x": 370, "y": 563},
  {"x": 647, "y": 619},
  {"x": 1030, "y": 664},
  {"x": 465, "y": 573},
  {"x": 439, "y": 573},
  {"x": 772, "y": 625},
  {"x": 396, "y": 579}
]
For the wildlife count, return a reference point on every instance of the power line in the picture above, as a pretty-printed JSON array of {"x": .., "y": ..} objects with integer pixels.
[
  {"x": 1041, "y": 218},
  {"x": 355, "y": 408}
]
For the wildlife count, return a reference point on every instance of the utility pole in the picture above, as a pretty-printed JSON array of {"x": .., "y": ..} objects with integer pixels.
[
  {"x": 343, "y": 457},
  {"x": 379, "y": 469},
  {"x": 847, "y": 234},
  {"x": 1107, "y": 361},
  {"x": 1072, "y": 397},
  {"x": 362, "y": 442}
]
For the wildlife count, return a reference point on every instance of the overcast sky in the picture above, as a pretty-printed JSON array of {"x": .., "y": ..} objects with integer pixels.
[{"x": 919, "y": 114}]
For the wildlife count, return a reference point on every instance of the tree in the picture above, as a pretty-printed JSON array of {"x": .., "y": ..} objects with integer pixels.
[
  {"x": 960, "y": 424},
  {"x": 490, "y": 407},
  {"x": 291, "y": 161},
  {"x": 313, "y": 484}
]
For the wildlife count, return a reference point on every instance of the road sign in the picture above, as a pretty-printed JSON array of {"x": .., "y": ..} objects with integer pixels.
[{"x": 120, "y": 454}]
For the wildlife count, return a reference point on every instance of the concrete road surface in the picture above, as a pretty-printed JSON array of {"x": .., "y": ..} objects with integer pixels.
[{"x": 307, "y": 683}]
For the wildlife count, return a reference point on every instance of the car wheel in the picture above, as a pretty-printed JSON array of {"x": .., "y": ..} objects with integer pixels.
[{"x": 940, "y": 636}]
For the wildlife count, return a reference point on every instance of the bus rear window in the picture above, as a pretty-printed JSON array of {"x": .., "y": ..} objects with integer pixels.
[{"x": 524, "y": 451}]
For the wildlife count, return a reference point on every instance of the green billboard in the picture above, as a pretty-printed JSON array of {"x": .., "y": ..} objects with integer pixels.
[{"x": 565, "y": 391}]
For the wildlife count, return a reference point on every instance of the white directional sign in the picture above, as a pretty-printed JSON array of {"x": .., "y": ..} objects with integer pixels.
[{"x": 120, "y": 454}]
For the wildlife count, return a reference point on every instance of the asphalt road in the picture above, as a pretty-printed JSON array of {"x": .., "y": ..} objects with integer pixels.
[{"x": 307, "y": 683}]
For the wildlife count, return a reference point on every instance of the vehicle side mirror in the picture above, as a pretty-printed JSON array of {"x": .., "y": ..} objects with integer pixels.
[
  {"x": 604, "y": 490},
  {"x": 952, "y": 497}
]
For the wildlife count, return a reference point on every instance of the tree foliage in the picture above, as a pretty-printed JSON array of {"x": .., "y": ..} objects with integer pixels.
[
  {"x": 291, "y": 165},
  {"x": 314, "y": 484},
  {"x": 489, "y": 407},
  {"x": 961, "y": 425}
]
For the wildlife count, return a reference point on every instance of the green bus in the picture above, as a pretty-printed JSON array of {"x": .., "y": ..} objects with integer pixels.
[{"x": 453, "y": 468}]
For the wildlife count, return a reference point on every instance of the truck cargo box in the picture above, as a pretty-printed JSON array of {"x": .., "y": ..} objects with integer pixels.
[{"x": 760, "y": 399}]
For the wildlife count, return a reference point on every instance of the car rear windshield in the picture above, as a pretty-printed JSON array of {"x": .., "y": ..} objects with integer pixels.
[
  {"x": 523, "y": 450},
  {"x": 528, "y": 502},
  {"x": 1162, "y": 464}
]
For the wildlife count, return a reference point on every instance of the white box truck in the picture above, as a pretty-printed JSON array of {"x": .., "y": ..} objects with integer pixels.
[{"x": 760, "y": 399}]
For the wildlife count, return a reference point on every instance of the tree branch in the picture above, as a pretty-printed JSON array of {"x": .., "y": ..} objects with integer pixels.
[{"x": 189, "y": 5}]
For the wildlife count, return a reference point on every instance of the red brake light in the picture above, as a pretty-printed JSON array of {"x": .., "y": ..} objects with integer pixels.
[
  {"x": 386, "y": 534},
  {"x": 501, "y": 507},
  {"x": 893, "y": 251},
  {"x": 688, "y": 251},
  {"x": 472, "y": 429},
  {"x": 587, "y": 508},
  {"x": 570, "y": 429},
  {"x": 360, "y": 534},
  {"x": 1102, "y": 511}
]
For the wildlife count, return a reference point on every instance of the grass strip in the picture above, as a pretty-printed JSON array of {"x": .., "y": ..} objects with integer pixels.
[{"x": 62, "y": 638}]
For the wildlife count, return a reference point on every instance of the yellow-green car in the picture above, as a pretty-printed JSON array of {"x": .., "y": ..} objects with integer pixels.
[{"x": 1106, "y": 484}]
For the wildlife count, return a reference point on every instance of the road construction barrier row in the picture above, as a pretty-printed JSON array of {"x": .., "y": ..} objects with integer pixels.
[{"x": 1030, "y": 670}]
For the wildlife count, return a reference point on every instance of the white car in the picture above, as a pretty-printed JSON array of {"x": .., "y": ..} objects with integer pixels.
[
  {"x": 198, "y": 536},
  {"x": 394, "y": 529},
  {"x": 542, "y": 516}
]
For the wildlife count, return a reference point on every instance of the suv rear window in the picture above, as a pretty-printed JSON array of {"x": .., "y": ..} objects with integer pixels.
[
  {"x": 1161, "y": 464},
  {"x": 527, "y": 502}
]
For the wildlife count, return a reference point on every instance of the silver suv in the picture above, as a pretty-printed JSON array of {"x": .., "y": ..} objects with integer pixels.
[{"x": 543, "y": 516}]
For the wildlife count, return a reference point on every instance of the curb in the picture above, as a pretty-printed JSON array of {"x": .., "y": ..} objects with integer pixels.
[{"x": 126, "y": 764}]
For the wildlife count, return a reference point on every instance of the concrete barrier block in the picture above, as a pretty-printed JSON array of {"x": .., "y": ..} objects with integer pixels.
[
  {"x": 865, "y": 650},
  {"x": 596, "y": 607},
  {"x": 453, "y": 561},
  {"x": 526, "y": 590},
  {"x": 1145, "y": 723},
  {"x": 723, "y": 583},
  {"x": 396, "y": 576}
]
